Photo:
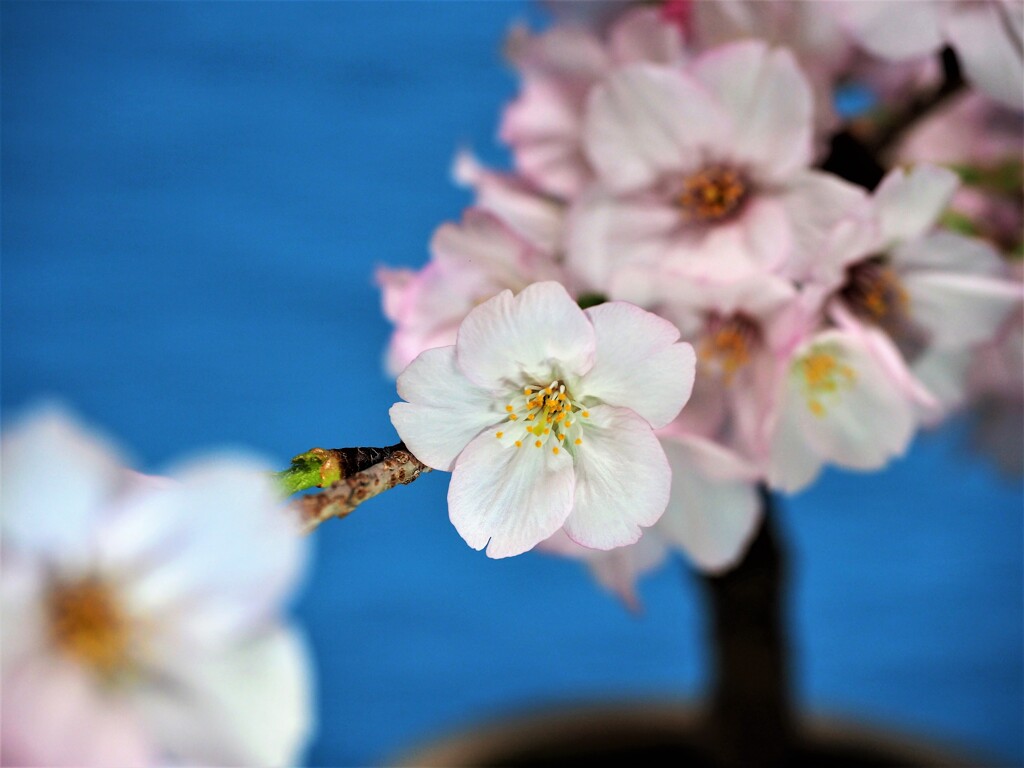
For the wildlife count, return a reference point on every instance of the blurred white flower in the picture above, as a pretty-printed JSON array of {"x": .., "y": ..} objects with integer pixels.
[{"x": 142, "y": 616}]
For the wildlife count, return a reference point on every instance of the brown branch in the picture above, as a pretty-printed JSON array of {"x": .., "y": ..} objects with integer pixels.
[{"x": 398, "y": 467}]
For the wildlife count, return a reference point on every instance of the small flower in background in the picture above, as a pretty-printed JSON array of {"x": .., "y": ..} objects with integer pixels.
[
  {"x": 545, "y": 415},
  {"x": 143, "y": 617}
]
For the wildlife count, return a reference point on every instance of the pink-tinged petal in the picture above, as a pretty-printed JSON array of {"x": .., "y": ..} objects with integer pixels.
[
  {"x": 544, "y": 128},
  {"x": 768, "y": 232},
  {"x": 540, "y": 333},
  {"x": 645, "y": 121},
  {"x": 444, "y": 412},
  {"x": 606, "y": 232},
  {"x": 250, "y": 705},
  {"x": 988, "y": 42},
  {"x": 54, "y": 715},
  {"x": 816, "y": 203},
  {"x": 55, "y": 513},
  {"x": 395, "y": 285},
  {"x": 618, "y": 570},
  {"x": 568, "y": 53},
  {"x": 643, "y": 35},
  {"x": 895, "y": 30},
  {"x": 512, "y": 497},
  {"x": 714, "y": 508},
  {"x": 213, "y": 550},
  {"x": 483, "y": 242},
  {"x": 960, "y": 310},
  {"x": 639, "y": 363},
  {"x": 535, "y": 216},
  {"x": 769, "y": 102},
  {"x": 909, "y": 204},
  {"x": 622, "y": 479},
  {"x": 948, "y": 252}
]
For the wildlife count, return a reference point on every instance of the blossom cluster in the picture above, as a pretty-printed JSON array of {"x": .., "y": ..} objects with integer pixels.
[{"x": 669, "y": 179}]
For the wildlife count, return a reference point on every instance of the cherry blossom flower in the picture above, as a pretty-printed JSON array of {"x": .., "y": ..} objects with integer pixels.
[
  {"x": 545, "y": 415},
  {"x": 935, "y": 293},
  {"x": 837, "y": 402},
  {"x": 142, "y": 617},
  {"x": 986, "y": 35},
  {"x": 544, "y": 125},
  {"x": 472, "y": 261},
  {"x": 704, "y": 170}
]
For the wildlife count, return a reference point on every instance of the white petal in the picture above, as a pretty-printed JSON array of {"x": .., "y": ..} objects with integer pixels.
[
  {"x": 910, "y": 204},
  {"x": 769, "y": 101},
  {"x": 638, "y": 363},
  {"x": 250, "y": 705},
  {"x": 645, "y": 120},
  {"x": 212, "y": 554},
  {"x": 714, "y": 508},
  {"x": 987, "y": 39},
  {"x": 514, "y": 497},
  {"x": 606, "y": 233},
  {"x": 960, "y": 310},
  {"x": 539, "y": 333},
  {"x": 445, "y": 410},
  {"x": 793, "y": 463},
  {"x": 622, "y": 480},
  {"x": 57, "y": 482},
  {"x": 895, "y": 30},
  {"x": 815, "y": 203},
  {"x": 944, "y": 373},
  {"x": 642, "y": 35},
  {"x": 949, "y": 252}
]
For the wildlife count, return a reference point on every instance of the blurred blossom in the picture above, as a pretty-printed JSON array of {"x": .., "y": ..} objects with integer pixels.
[
  {"x": 142, "y": 616},
  {"x": 545, "y": 415},
  {"x": 472, "y": 262},
  {"x": 559, "y": 68},
  {"x": 986, "y": 35},
  {"x": 985, "y": 141},
  {"x": 704, "y": 171}
]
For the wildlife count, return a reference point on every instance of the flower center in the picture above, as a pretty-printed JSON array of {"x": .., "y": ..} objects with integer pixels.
[
  {"x": 873, "y": 292},
  {"x": 824, "y": 376},
  {"x": 712, "y": 194},
  {"x": 542, "y": 415},
  {"x": 729, "y": 342},
  {"x": 87, "y": 623}
]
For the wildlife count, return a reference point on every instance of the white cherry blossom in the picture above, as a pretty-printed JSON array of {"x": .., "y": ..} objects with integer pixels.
[{"x": 545, "y": 415}]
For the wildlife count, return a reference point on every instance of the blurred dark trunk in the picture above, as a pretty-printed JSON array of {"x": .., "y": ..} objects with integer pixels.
[{"x": 750, "y": 718}]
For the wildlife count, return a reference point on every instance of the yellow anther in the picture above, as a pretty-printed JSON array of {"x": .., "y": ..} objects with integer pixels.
[
  {"x": 585, "y": 414},
  {"x": 555, "y": 449},
  {"x": 547, "y": 431},
  {"x": 500, "y": 435},
  {"x": 513, "y": 417},
  {"x": 560, "y": 437},
  {"x": 526, "y": 390},
  {"x": 518, "y": 444},
  {"x": 509, "y": 408},
  {"x": 537, "y": 444},
  {"x": 579, "y": 441}
]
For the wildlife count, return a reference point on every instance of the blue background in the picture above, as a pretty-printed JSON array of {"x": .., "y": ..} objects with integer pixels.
[{"x": 194, "y": 200}]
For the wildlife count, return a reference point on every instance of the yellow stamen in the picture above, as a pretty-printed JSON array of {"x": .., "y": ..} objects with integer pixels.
[
  {"x": 537, "y": 444},
  {"x": 499, "y": 435},
  {"x": 579, "y": 441}
]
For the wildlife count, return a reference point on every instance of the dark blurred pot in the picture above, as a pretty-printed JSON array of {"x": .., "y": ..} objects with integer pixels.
[{"x": 648, "y": 733}]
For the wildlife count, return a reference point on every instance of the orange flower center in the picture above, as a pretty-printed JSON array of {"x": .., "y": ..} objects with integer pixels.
[
  {"x": 87, "y": 623},
  {"x": 712, "y": 194}
]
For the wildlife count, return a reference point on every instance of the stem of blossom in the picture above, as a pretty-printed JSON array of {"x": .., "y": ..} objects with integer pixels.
[
  {"x": 750, "y": 718},
  {"x": 361, "y": 474}
]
